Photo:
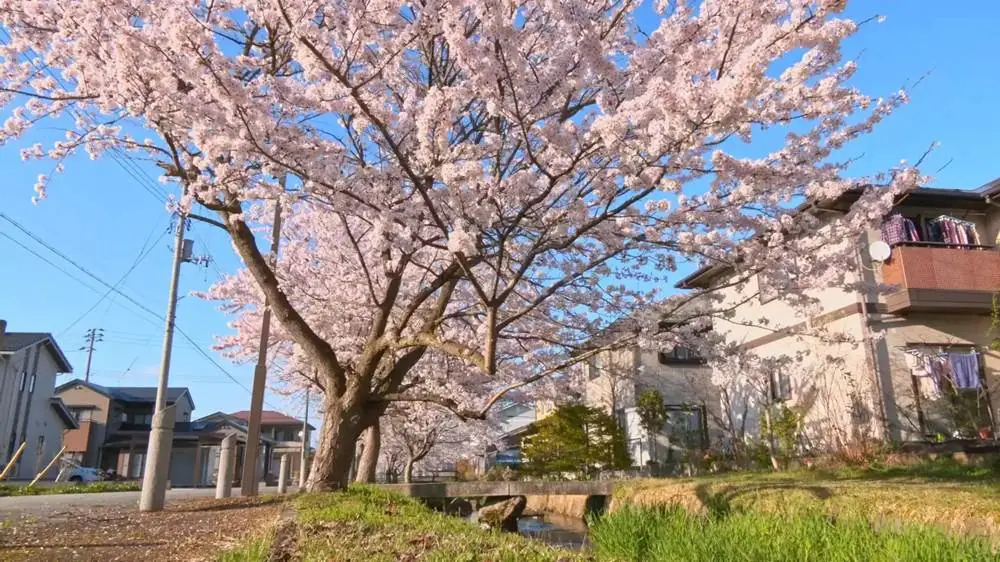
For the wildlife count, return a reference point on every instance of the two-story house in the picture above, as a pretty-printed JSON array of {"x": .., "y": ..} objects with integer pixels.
[
  {"x": 284, "y": 437},
  {"x": 905, "y": 353},
  {"x": 114, "y": 427},
  {"x": 614, "y": 381},
  {"x": 29, "y": 413}
]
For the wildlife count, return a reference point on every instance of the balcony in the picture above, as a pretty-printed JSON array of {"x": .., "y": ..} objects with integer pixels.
[{"x": 940, "y": 277}]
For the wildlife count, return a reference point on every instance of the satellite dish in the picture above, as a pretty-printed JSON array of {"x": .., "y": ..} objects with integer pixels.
[{"x": 879, "y": 251}]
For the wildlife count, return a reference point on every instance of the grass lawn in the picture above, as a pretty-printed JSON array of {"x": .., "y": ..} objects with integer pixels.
[
  {"x": 956, "y": 499},
  {"x": 93, "y": 487},
  {"x": 669, "y": 534},
  {"x": 367, "y": 524}
]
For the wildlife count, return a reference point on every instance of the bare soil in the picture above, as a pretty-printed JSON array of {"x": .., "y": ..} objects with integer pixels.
[{"x": 189, "y": 530}]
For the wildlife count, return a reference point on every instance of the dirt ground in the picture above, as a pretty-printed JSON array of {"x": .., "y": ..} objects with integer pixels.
[{"x": 189, "y": 530}]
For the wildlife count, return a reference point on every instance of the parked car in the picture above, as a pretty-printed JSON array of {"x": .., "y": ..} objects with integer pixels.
[{"x": 83, "y": 475}]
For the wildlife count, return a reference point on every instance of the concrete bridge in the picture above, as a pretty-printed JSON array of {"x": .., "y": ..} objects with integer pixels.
[{"x": 434, "y": 490}]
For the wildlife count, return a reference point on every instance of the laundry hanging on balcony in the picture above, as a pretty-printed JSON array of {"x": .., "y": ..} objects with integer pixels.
[
  {"x": 897, "y": 228},
  {"x": 964, "y": 369},
  {"x": 951, "y": 230},
  {"x": 935, "y": 372},
  {"x": 928, "y": 371}
]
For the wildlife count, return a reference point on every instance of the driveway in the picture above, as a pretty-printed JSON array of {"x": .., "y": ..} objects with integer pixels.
[{"x": 56, "y": 504}]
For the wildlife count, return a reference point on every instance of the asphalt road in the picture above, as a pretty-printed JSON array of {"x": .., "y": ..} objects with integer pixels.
[{"x": 47, "y": 506}]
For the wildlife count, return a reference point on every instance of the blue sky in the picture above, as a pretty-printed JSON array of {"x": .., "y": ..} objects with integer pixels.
[{"x": 101, "y": 216}]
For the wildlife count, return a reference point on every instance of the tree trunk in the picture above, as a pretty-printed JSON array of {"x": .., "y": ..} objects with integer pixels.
[
  {"x": 331, "y": 466},
  {"x": 408, "y": 471},
  {"x": 369, "y": 454}
]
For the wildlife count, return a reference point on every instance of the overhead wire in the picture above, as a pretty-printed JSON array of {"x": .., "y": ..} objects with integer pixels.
[
  {"x": 154, "y": 190},
  {"x": 143, "y": 253},
  {"x": 114, "y": 289}
]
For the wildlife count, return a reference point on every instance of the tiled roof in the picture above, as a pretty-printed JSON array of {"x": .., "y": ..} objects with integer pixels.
[
  {"x": 135, "y": 394},
  {"x": 268, "y": 417},
  {"x": 12, "y": 342}
]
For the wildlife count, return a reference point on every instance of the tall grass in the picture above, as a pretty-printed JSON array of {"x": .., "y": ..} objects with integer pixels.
[{"x": 672, "y": 534}]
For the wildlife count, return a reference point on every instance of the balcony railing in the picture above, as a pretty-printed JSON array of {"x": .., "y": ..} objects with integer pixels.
[{"x": 941, "y": 277}]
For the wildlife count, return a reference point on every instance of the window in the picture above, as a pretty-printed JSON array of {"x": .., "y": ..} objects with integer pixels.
[
  {"x": 679, "y": 354},
  {"x": 24, "y": 378},
  {"x": 81, "y": 415},
  {"x": 765, "y": 291},
  {"x": 31, "y": 387},
  {"x": 136, "y": 464},
  {"x": 781, "y": 387}
]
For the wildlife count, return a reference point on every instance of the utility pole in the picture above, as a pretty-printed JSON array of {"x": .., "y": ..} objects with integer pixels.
[
  {"x": 249, "y": 478},
  {"x": 154, "y": 479},
  {"x": 305, "y": 445},
  {"x": 93, "y": 336}
]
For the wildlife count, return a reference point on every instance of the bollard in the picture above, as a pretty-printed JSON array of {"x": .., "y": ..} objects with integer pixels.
[
  {"x": 283, "y": 474},
  {"x": 224, "y": 479}
]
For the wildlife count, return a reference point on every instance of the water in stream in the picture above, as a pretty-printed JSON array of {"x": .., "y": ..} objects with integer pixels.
[{"x": 557, "y": 530}]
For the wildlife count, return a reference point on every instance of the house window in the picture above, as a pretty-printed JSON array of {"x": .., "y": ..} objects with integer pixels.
[
  {"x": 24, "y": 378},
  {"x": 31, "y": 386},
  {"x": 81, "y": 415},
  {"x": 781, "y": 387},
  {"x": 136, "y": 464},
  {"x": 679, "y": 354},
  {"x": 765, "y": 291}
]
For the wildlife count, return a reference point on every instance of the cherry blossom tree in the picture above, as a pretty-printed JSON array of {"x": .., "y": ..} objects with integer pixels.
[
  {"x": 491, "y": 181},
  {"x": 427, "y": 434}
]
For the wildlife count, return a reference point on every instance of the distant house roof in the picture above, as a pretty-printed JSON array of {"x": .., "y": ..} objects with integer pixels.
[
  {"x": 63, "y": 412},
  {"x": 133, "y": 394},
  {"x": 269, "y": 417},
  {"x": 12, "y": 342}
]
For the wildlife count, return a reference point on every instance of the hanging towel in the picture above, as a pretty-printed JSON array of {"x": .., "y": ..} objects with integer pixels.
[
  {"x": 965, "y": 369},
  {"x": 928, "y": 381}
]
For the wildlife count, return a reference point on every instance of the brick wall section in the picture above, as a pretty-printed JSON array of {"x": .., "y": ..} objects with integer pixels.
[
  {"x": 950, "y": 269},
  {"x": 76, "y": 440}
]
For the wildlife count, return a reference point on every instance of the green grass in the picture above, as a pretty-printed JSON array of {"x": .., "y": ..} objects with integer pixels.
[
  {"x": 953, "y": 498},
  {"x": 670, "y": 534},
  {"x": 256, "y": 549},
  {"x": 368, "y": 524},
  {"x": 92, "y": 488}
]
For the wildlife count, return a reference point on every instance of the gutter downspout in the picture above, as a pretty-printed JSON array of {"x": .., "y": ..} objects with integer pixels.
[{"x": 871, "y": 352}]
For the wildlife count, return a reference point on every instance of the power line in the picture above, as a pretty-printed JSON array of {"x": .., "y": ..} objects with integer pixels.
[
  {"x": 144, "y": 252},
  {"x": 52, "y": 249},
  {"x": 116, "y": 290},
  {"x": 46, "y": 260}
]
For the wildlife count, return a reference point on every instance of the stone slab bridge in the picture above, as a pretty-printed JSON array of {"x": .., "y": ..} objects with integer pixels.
[{"x": 442, "y": 490}]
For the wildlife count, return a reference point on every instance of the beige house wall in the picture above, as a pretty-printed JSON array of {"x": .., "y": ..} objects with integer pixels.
[{"x": 80, "y": 395}]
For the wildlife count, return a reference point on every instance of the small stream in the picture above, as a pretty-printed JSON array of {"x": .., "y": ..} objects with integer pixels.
[{"x": 557, "y": 530}]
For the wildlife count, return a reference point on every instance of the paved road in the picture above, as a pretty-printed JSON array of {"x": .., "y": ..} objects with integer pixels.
[{"x": 19, "y": 506}]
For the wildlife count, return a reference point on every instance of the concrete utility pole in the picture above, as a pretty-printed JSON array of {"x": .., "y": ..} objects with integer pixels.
[
  {"x": 248, "y": 481},
  {"x": 305, "y": 446},
  {"x": 154, "y": 479},
  {"x": 224, "y": 480},
  {"x": 283, "y": 474},
  {"x": 93, "y": 336}
]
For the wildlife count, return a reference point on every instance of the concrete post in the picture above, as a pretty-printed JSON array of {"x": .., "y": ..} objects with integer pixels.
[
  {"x": 224, "y": 480},
  {"x": 154, "y": 484},
  {"x": 283, "y": 474}
]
